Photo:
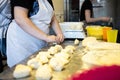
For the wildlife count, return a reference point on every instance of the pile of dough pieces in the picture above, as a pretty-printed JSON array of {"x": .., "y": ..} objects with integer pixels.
[
  {"x": 45, "y": 62},
  {"x": 101, "y": 53}
]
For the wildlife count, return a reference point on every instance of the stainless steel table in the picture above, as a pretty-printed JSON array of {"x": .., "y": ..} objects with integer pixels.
[{"x": 74, "y": 65}]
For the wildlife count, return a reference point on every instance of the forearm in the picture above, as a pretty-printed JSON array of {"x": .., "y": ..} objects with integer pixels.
[
  {"x": 27, "y": 25},
  {"x": 55, "y": 25},
  {"x": 104, "y": 19},
  {"x": 88, "y": 20}
]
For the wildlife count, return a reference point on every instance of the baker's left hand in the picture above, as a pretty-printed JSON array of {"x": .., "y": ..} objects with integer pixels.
[{"x": 59, "y": 38}]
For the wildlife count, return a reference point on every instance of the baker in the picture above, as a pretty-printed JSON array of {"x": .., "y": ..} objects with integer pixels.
[
  {"x": 86, "y": 14},
  {"x": 29, "y": 29}
]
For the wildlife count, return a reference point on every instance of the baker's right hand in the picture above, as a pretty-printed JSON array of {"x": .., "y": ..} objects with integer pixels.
[{"x": 105, "y": 19}]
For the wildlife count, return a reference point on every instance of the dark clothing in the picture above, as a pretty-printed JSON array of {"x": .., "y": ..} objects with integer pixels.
[
  {"x": 87, "y": 5},
  {"x": 29, "y": 4},
  {"x": 118, "y": 37},
  {"x": 50, "y": 1},
  {"x": 1, "y": 64}
]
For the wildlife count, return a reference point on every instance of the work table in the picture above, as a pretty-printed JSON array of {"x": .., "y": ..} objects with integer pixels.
[{"x": 73, "y": 66}]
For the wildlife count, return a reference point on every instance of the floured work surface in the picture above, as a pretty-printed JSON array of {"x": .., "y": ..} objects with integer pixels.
[
  {"x": 73, "y": 66},
  {"x": 92, "y": 54}
]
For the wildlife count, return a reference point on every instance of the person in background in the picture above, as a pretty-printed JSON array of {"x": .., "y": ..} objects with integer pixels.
[
  {"x": 29, "y": 29},
  {"x": 86, "y": 14}
]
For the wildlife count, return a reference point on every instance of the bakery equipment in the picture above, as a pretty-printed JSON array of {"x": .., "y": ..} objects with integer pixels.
[{"x": 73, "y": 30}]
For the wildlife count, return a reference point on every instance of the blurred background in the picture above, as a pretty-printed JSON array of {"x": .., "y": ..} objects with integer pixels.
[{"x": 69, "y": 10}]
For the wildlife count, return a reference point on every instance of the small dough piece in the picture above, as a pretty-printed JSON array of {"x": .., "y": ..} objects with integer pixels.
[
  {"x": 56, "y": 64},
  {"x": 59, "y": 47},
  {"x": 53, "y": 50},
  {"x": 76, "y": 42},
  {"x": 47, "y": 54},
  {"x": 21, "y": 71},
  {"x": 63, "y": 55},
  {"x": 67, "y": 51},
  {"x": 70, "y": 47},
  {"x": 44, "y": 73},
  {"x": 88, "y": 41},
  {"x": 34, "y": 63},
  {"x": 58, "y": 61},
  {"x": 43, "y": 57}
]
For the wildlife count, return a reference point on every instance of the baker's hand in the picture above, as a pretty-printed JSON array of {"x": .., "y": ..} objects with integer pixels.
[
  {"x": 59, "y": 38},
  {"x": 51, "y": 38},
  {"x": 105, "y": 19}
]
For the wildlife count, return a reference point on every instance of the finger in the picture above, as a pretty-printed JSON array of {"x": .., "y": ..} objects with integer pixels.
[
  {"x": 61, "y": 38},
  {"x": 57, "y": 40}
]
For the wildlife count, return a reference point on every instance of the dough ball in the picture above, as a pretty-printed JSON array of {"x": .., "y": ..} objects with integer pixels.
[
  {"x": 59, "y": 47},
  {"x": 34, "y": 63},
  {"x": 63, "y": 55},
  {"x": 76, "y": 42},
  {"x": 21, "y": 71},
  {"x": 44, "y": 73},
  {"x": 56, "y": 64},
  {"x": 70, "y": 47},
  {"x": 63, "y": 60},
  {"x": 67, "y": 51},
  {"x": 89, "y": 40},
  {"x": 53, "y": 50},
  {"x": 47, "y": 54},
  {"x": 43, "y": 57},
  {"x": 58, "y": 61}
]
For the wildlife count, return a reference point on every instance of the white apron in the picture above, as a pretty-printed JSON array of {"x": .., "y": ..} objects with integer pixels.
[{"x": 20, "y": 44}]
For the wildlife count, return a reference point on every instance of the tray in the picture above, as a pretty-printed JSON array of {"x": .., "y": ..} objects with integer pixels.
[{"x": 73, "y": 29}]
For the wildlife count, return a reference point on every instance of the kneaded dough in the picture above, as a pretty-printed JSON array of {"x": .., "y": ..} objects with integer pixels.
[
  {"x": 68, "y": 49},
  {"x": 76, "y": 42},
  {"x": 21, "y": 71},
  {"x": 56, "y": 64},
  {"x": 59, "y": 47},
  {"x": 34, "y": 63},
  {"x": 88, "y": 41},
  {"x": 43, "y": 57},
  {"x": 53, "y": 50},
  {"x": 102, "y": 57},
  {"x": 63, "y": 55},
  {"x": 104, "y": 46},
  {"x": 44, "y": 73}
]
